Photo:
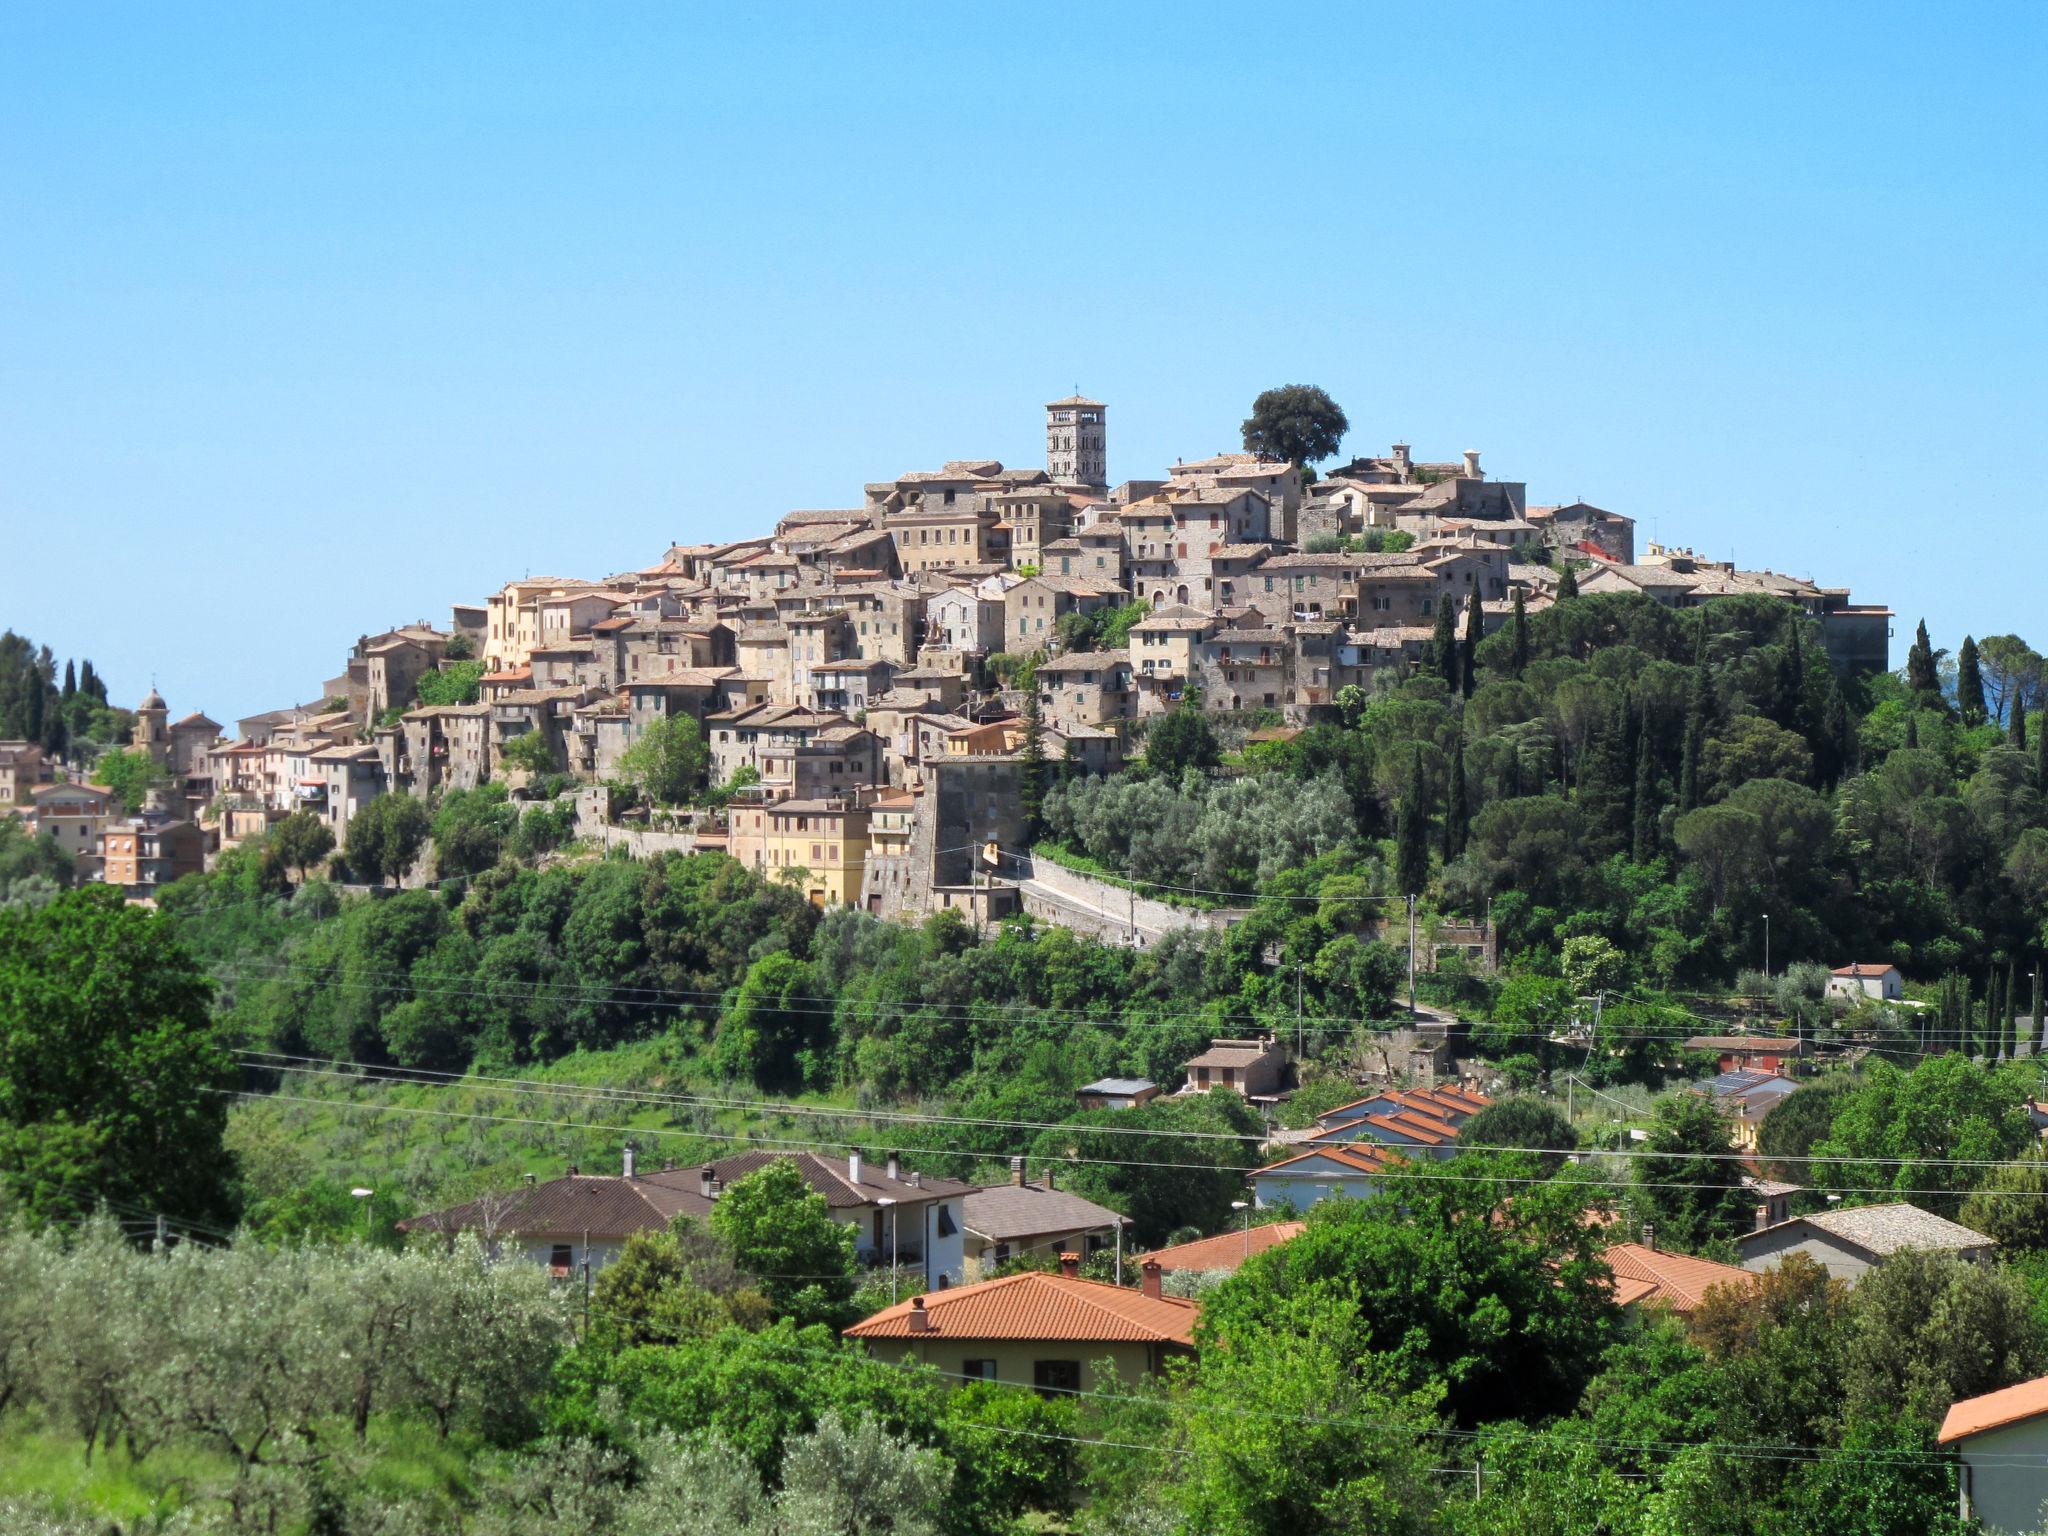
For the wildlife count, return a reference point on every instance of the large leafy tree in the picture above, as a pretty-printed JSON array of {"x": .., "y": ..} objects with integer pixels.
[
  {"x": 301, "y": 840},
  {"x": 385, "y": 836},
  {"x": 1904, "y": 1131},
  {"x": 1688, "y": 1182},
  {"x": 1471, "y": 1272},
  {"x": 1179, "y": 740},
  {"x": 1173, "y": 1163},
  {"x": 1296, "y": 422},
  {"x": 114, "y": 1084},
  {"x": 668, "y": 761},
  {"x": 778, "y": 1228}
]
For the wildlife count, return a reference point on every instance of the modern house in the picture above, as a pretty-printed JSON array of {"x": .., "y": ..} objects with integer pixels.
[
  {"x": 1749, "y": 1053},
  {"x": 1346, "y": 1171},
  {"x": 1022, "y": 1219},
  {"x": 1880, "y": 983},
  {"x": 1747, "y": 1099},
  {"x": 1050, "y": 1332},
  {"x": 1253, "y": 1068},
  {"x": 2001, "y": 1439},
  {"x": 897, "y": 1217},
  {"x": 1117, "y": 1093},
  {"x": 1226, "y": 1250},
  {"x": 1851, "y": 1241}
]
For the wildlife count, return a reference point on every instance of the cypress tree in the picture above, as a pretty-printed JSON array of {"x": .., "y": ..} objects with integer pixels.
[
  {"x": 1518, "y": 656},
  {"x": 1568, "y": 583},
  {"x": 1970, "y": 684},
  {"x": 2041, "y": 757},
  {"x": 1922, "y": 680},
  {"x": 1643, "y": 834},
  {"x": 1837, "y": 740},
  {"x": 1468, "y": 659},
  {"x": 70, "y": 680},
  {"x": 1456, "y": 811},
  {"x": 2008, "y": 1031},
  {"x": 1411, "y": 850},
  {"x": 1913, "y": 730},
  {"x": 1695, "y": 741},
  {"x": 2018, "y": 731},
  {"x": 1031, "y": 768},
  {"x": 1443, "y": 642}
]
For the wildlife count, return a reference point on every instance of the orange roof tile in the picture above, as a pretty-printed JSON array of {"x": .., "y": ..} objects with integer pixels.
[
  {"x": 1226, "y": 1250},
  {"x": 2010, "y": 1405},
  {"x": 1675, "y": 1280},
  {"x": 1049, "y": 1308}
]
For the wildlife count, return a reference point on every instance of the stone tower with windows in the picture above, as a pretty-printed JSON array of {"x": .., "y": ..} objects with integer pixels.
[
  {"x": 151, "y": 732},
  {"x": 1076, "y": 450}
]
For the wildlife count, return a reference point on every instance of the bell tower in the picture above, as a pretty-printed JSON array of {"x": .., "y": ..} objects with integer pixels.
[
  {"x": 1076, "y": 445},
  {"x": 151, "y": 734}
]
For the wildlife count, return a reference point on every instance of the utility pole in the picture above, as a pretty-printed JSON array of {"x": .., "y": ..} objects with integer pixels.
[
  {"x": 1767, "y": 946},
  {"x": 1130, "y": 886}
]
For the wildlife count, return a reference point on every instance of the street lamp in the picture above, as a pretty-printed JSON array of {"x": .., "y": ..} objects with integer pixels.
[
  {"x": 363, "y": 1194},
  {"x": 889, "y": 1205},
  {"x": 1246, "y": 1207}
]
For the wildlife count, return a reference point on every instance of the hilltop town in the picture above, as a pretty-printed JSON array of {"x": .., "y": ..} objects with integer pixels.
[{"x": 865, "y": 679}]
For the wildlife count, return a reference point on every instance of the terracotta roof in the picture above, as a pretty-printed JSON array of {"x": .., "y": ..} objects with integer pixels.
[
  {"x": 1771, "y": 1043},
  {"x": 1041, "y": 1307},
  {"x": 1407, "y": 1123},
  {"x": 2009, "y": 1405},
  {"x": 1862, "y": 969},
  {"x": 1675, "y": 1280},
  {"x": 1226, "y": 1250},
  {"x": 1365, "y": 1157}
]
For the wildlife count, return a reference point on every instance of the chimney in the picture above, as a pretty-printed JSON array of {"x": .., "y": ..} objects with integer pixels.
[
  {"x": 1070, "y": 1265},
  {"x": 572, "y": 1170},
  {"x": 628, "y": 1159},
  {"x": 1472, "y": 465},
  {"x": 1650, "y": 1235},
  {"x": 895, "y": 1166},
  {"x": 1017, "y": 1171},
  {"x": 853, "y": 1167},
  {"x": 705, "y": 1179},
  {"x": 1763, "y": 1217},
  {"x": 1051, "y": 1176},
  {"x": 920, "y": 1320},
  {"x": 1149, "y": 1284}
]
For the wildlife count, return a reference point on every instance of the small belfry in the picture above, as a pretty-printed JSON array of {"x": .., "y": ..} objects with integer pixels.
[{"x": 1076, "y": 445}]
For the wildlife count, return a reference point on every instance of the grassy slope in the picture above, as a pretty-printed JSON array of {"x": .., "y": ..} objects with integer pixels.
[{"x": 442, "y": 1156}]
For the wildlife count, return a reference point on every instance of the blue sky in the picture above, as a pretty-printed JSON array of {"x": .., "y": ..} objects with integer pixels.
[{"x": 314, "y": 319}]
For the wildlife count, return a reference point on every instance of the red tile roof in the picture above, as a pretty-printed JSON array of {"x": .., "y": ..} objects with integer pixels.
[
  {"x": 1675, "y": 1280},
  {"x": 1226, "y": 1250},
  {"x": 1042, "y": 1307},
  {"x": 1994, "y": 1410}
]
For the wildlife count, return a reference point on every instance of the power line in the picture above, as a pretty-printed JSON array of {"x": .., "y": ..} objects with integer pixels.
[{"x": 335, "y": 1067}]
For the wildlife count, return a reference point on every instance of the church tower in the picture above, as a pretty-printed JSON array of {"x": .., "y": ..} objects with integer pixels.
[
  {"x": 151, "y": 727},
  {"x": 1076, "y": 451}
]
